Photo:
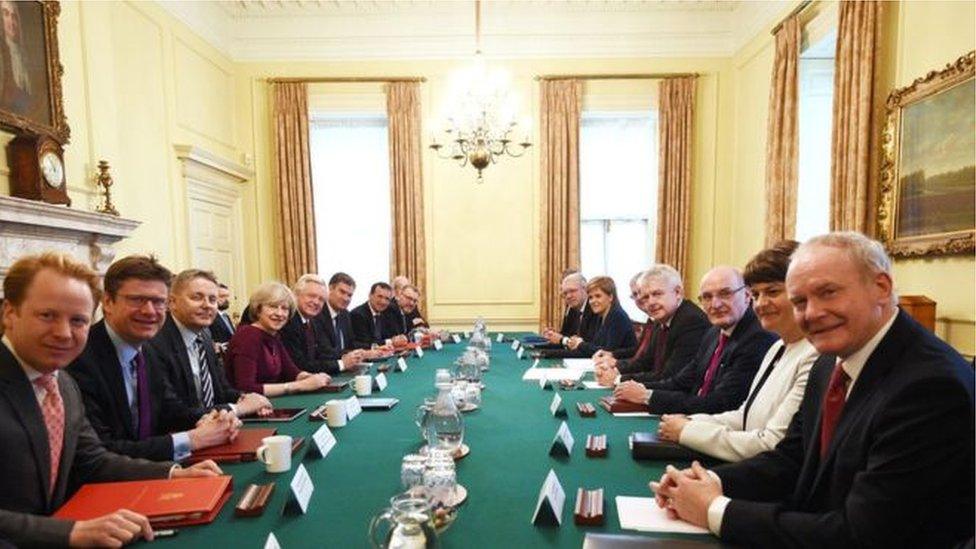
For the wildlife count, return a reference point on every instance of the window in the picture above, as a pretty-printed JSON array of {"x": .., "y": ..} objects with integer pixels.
[
  {"x": 618, "y": 197},
  {"x": 351, "y": 189},
  {"x": 814, "y": 116}
]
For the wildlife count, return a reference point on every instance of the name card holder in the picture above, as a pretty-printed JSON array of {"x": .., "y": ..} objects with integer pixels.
[
  {"x": 589, "y": 507},
  {"x": 379, "y": 382},
  {"x": 401, "y": 365},
  {"x": 536, "y": 363},
  {"x": 455, "y": 338},
  {"x": 323, "y": 441},
  {"x": 271, "y": 542},
  {"x": 586, "y": 409},
  {"x": 556, "y": 406},
  {"x": 562, "y": 443},
  {"x": 596, "y": 446},
  {"x": 515, "y": 345},
  {"x": 544, "y": 383},
  {"x": 353, "y": 408},
  {"x": 549, "y": 507},
  {"x": 520, "y": 353},
  {"x": 419, "y": 351},
  {"x": 467, "y": 335},
  {"x": 438, "y": 345},
  {"x": 500, "y": 338},
  {"x": 300, "y": 492}
]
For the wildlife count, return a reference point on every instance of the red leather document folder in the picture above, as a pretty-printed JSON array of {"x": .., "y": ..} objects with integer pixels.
[
  {"x": 242, "y": 449},
  {"x": 615, "y": 406},
  {"x": 166, "y": 502}
]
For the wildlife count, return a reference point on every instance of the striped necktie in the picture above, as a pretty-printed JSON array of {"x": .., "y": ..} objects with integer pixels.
[{"x": 206, "y": 382}]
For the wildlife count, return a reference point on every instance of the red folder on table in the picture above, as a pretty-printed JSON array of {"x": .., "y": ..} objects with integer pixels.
[
  {"x": 166, "y": 502},
  {"x": 242, "y": 449},
  {"x": 615, "y": 406}
]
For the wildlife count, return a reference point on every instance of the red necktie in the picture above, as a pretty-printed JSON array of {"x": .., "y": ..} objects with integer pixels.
[
  {"x": 645, "y": 339},
  {"x": 309, "y": 340},
  {"x": 713, "y": 365},
  {"x": 833, "y": 405},
  {"x": 659, "y": 345},
  {"x": 53, "y": 409}
]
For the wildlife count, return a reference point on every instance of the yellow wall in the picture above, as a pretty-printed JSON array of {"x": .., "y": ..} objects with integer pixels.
[
  {"x": 917, "y": 37},
  {"x": 483, "y": 240}
]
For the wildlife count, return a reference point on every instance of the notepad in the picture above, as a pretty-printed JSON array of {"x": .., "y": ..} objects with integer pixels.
[
  {"x": 595, "y": 385},
  {"x": 643, "y": 515},
  {"x": 581, "y": 364},
  {"x": 552, "y": 374}
]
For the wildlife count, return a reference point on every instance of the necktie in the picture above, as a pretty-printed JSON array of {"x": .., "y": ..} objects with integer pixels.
[
  {"x": 646, "y": 336},
  {"x": 309, "y": 340},
  {"x": 377, "y": 335},
  {"x": 53, "y": 410},
  {"x": 759, "y": 386},
  {"x": 833, "y": 405},
  {"x": 338, "y": 331},
  {"x": 713, "y": 366},
  {"x": 206, "y": 382},
  {"x": 144, "y": 421},
  {"x": 659, "y": 345}
]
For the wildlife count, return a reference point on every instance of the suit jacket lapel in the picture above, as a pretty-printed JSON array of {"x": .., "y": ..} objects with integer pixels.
[
  {"x": 106, "y": 359},
  {"x": 177, "y": 343},
  {"x": 15, "y": 385}
]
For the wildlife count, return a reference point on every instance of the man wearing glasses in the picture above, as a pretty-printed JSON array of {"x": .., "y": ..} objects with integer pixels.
[
  {"x": 127, "y": 398},
  {"x": 718, "y": 378}
]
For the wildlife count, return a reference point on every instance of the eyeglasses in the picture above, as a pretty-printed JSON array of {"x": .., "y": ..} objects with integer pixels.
[
  {"x": 139, "y": 301},
  {"x": 725, "y": 294}
]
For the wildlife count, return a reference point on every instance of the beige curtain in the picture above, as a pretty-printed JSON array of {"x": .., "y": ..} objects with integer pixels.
[
  {"x": 406, "y": 183},
  {"x": 561, "y": 104},
  {"x": 782, "y": 137},
  {"x": 676, "y": 135},
  {"x": 850, "y": 162},
  {"x": 293, "y": 181}
]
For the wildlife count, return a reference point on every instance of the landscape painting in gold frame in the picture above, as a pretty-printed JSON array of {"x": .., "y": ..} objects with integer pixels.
[{"x": 928, "y": 175}]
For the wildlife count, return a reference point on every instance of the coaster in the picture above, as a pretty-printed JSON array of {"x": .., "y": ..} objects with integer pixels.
[
  {"x": 468, "y": 407},
  {"x": 461, "y": 453}
]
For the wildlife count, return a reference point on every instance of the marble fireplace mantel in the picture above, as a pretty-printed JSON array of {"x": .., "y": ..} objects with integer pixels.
[{"x": 28, "y": 226}]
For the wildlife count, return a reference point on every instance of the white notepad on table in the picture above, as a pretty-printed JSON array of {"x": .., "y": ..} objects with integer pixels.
[
  {"x": 552, "y": 374},
  {"x": 581, "y": 364},
  {"x": 595, "y": 385},
  {"x": 643, "y": 515}
]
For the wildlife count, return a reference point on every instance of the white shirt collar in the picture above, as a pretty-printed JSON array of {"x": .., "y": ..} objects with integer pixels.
[
  {"x": 332, "y": 312},
  {"x": 728, "y": 331},
  {"x": 854, "y": 363},
  {"x": 123, "y": 349},
  {"x": 31, "y": 373},
  {"x": 189, "y": 336}
]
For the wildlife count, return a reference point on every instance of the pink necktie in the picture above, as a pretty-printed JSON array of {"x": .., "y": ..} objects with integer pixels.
[
  {"x": 53, "y": 409},
  {"x": 713, "y": 366}
]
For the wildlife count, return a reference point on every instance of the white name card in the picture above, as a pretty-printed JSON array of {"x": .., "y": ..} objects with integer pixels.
[
  {"x": 500, "y": 338},
  {"x": 420, "y": 352},
  {"x": 401, "y": 364},
  {"x": 455, "y": 338},
  {"x": 379, "y": 382},
  {"x": 467, "y": 335},
  {"x": 520, "y": 352},
  {"x": 549, "y": 508},
  {"x": 556, "y": 406},
  {"x": 324, "y": 440},
  {"x": 562, "y": 444},
  {"x": 438, "y": 345},
  {"x": 301, "y": 488},
  {"x": 515, "y": 344},
  {"x": 544, "y": 382},
  {"x": 271, "y": 542},
  {"x": 536, "y": 363},
  {"x": 353, "y": 408}
]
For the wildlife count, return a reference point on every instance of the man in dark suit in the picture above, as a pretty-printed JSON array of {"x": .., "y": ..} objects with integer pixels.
[
  {"x": 719, "y": 376},
  {"x": 186, "y": 352},
  {"x": 578, "y": 320},
  {"x": 128, "y": 400},
  {"x": 222, "y": 328},
  {"x": 337, "y": 321},
  {"x": 48, "y": 304},
  {"x": 671, "y": 339},
  {"x": 881, "y": 451},
  {"x": 369, "y": 325},
  {"x": 304, "y": 335}
]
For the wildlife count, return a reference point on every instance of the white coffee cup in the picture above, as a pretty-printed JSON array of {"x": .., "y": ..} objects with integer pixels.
[
  {"x": 335, "y": 413},
  {"x": 275, "y": 453},
  {"x": 363, "y": 384}
]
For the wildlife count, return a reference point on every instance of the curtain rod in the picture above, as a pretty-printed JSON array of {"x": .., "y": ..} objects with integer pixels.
[
  {"x": 338, "y": 79},
  {"x": 796, "y": 11},
  {"x": 647, "y": 76}
]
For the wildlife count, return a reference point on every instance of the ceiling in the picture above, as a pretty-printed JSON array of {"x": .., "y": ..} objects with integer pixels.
[{"x": 252, "y": 30}]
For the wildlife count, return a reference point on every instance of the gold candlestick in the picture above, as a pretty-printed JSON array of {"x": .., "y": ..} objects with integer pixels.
[{"x": 105, "y": 181}]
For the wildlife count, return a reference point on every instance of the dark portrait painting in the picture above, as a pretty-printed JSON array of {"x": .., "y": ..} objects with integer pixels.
[{"x": 24, "y": 89}]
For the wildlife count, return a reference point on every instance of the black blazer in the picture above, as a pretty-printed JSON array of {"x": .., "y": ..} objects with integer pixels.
[
  {"x": 401, "y": 323},
  {"x": 99, "y": 377},
  {"x": 584, "y": 325},
  {"x": 345, "y": 326},
  {"x": 615, "y": 332},
  {"x": 688, "y": 327},
  {"x": 362, "y": 327},
  {"x": 899, "y": 470},
  {"x": 293, "y": 338},
  {"x": 169, "y": 348},
  {"x": 738, "y": 364},
  {"x": 26, "y": 472},
  {"x": 219, "y": 330}
]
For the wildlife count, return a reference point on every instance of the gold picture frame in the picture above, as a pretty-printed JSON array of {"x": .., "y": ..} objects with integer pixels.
[
  {"x": 928, "y": 169},
  {"x": 31, "y": 96}
]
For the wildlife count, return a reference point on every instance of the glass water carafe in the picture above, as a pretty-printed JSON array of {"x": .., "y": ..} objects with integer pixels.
[
  {"x": 411, "y": 525},
  {"x": 445, "y": 426}
]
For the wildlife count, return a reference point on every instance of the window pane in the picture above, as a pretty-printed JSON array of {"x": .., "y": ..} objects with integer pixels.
[
  {"x": 591, "y": 248},
  {"x": 814, "y": 116},
  {"x": 618, "y": 165},
  {"x": 351, "y": 189},
  {"x": 628, "y": 257}
]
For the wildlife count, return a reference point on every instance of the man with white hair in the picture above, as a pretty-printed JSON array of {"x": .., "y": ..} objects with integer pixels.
[
  {"x": 304, "y": 335},
  {"x": 578, "y": 320},
  {"x": 672, "y": 337},
  {"x": 880, "y": 452}
]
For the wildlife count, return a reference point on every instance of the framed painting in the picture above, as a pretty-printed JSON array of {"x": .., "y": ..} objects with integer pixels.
[
  {"x": 30, "y": 69},
  {"x": 928, "y": 173}
]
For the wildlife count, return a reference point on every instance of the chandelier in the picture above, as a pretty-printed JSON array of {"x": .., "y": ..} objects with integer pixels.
[{"x": 480, "y": 127}]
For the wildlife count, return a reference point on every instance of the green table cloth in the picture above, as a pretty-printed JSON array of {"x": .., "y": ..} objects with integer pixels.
[{"x": 509, "y": 436}]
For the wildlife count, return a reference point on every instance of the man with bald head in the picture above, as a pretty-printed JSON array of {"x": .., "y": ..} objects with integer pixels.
[
  {"x": 880, "y": 453},
  {"x": 577, "y": 319},
  {"x": 719, "y": 376}
]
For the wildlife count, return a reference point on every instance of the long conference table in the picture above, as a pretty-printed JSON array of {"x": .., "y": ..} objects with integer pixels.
[{"x": 510, "y": 436}]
